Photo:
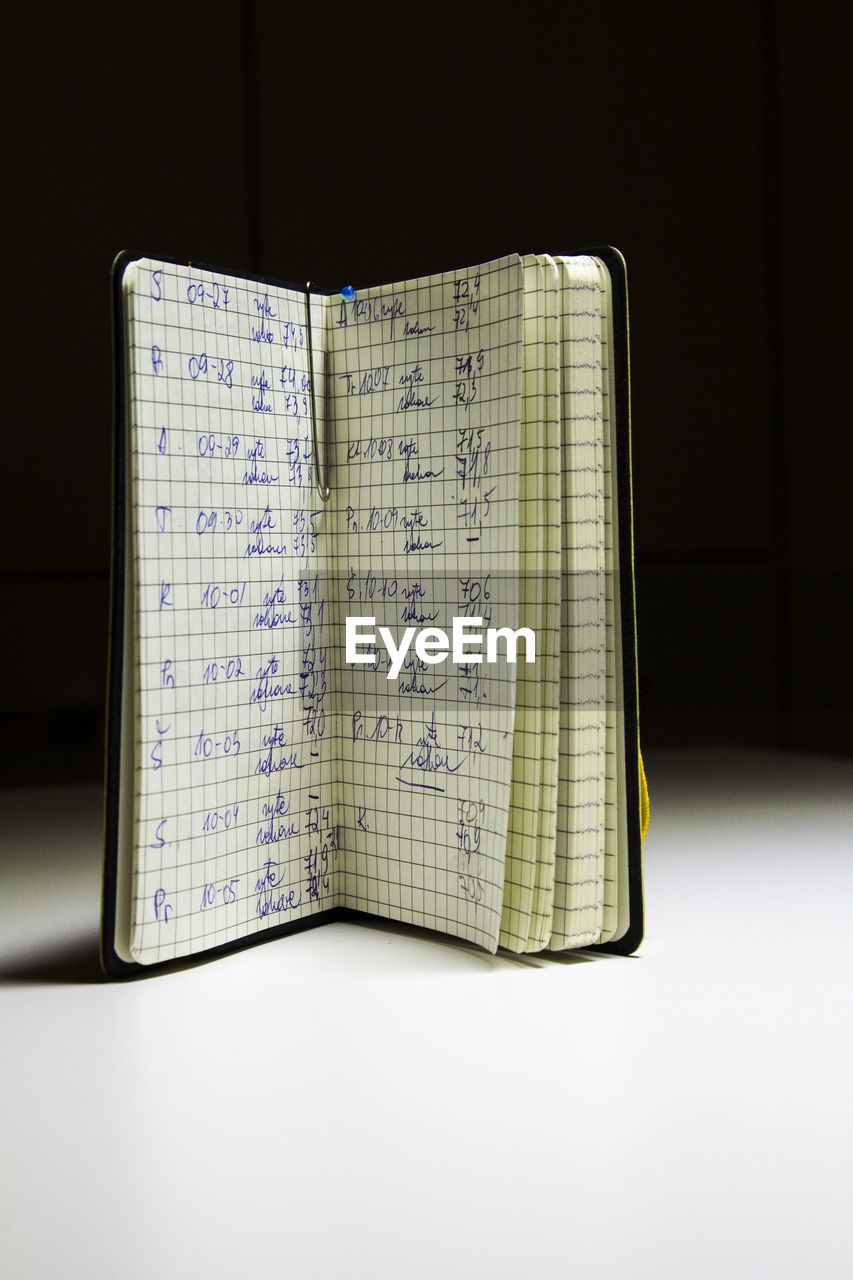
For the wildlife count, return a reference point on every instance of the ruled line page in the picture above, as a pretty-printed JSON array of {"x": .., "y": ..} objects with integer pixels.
[
  {"x": 234, "y": 826},
  {"x": 425, "y": 388}
]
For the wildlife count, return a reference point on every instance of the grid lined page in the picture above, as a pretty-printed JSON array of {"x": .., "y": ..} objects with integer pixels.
[
  {"x": 548, "y": 585},
  {"x": 425, "y": 385},
  {"x": 614, "y": 809},
  {"x": 528, "y": 842},
  {"x": 579, "y": 889},
  {"x": 233, "y": 763}
]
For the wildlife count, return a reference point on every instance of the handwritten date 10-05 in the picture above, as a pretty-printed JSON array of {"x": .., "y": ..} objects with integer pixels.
[{"x": 225, "y": 894}]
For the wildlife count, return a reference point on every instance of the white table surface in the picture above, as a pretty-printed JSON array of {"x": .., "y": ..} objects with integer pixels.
[{"x": 358, "y": 1101}]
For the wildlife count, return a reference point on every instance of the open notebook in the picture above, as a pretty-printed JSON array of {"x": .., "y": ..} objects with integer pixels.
[{"x": 310, "y": 490}]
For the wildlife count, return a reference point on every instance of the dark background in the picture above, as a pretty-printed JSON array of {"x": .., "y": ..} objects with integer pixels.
[{"x": 713, "y": 150}]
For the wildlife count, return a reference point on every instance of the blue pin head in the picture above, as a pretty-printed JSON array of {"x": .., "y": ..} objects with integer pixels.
[{"x": 348, "y": 292}]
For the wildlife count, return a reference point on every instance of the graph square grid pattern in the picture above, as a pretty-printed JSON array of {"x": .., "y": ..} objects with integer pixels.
[{"x": 273, "y": 780}]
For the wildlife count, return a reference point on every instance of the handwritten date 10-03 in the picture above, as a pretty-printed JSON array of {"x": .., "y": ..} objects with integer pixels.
[{"x": 227, "y": 745}]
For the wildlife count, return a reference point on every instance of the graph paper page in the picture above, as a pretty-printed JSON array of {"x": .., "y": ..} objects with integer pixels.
[
  {"x": 425, "y": 402},
  {"x": 525, "y": 923},
  {"x": 615, "y": 913},
  {"x": 545, "y": 534},
  {"x": 233, "y": 829},
  {"x": 579, "y": 888}
]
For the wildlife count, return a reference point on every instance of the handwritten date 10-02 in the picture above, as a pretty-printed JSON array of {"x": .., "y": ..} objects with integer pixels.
[{"x": 232, "y": 669}]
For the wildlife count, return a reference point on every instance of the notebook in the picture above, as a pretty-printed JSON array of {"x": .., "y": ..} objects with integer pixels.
[{"x": 373, "y": 642}]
